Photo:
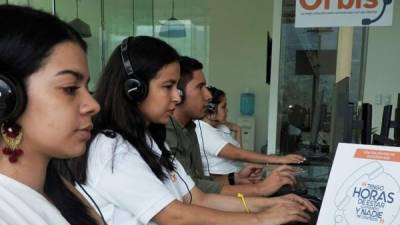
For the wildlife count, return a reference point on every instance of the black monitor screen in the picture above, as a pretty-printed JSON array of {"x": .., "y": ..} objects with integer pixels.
[
  {"x": 340, "y": 107},
  {"x": 325, "y": 60}
]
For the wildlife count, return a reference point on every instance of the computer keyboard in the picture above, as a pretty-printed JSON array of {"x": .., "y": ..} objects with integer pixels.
[
  {"x": 321, "y": 159},
  {"x": 316, "y": 158}
]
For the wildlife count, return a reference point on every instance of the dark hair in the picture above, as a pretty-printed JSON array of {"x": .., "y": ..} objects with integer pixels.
[
  {"x": 148, "y": 56},
  {"x": 188, "y": 66},
  {"x": 27, "y": 39},
  {"x": 216, "y": 94}
]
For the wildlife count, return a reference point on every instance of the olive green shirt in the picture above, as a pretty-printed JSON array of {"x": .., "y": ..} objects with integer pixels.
[{"x": 184, "y": 144}]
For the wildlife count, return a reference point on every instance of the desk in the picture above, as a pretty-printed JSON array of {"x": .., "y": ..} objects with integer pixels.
[
  {"x": 313, "y": 179},
  {"x": 313, "y": 176}
]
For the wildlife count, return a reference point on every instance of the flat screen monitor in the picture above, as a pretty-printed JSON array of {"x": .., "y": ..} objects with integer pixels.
[
  {"x": 386, "y": 118},
  {"x": 387, "y": 123},
  {"x": 381, "y": 140},
  {"x": 366, "y": 131},
  {"x": 397, "y": 128},
  {"x": 324, "y": 60},
  {"x": 318, "y": 118},
  {"x": 397, "y": 119},
  {"x": 340, "y": 129},
  {"x": 363, "y": 123}
]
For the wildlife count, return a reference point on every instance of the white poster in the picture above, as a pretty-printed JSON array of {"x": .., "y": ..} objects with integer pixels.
[
  {"x": 343, "y": 13},
  {"x": 363, "y": 187}
]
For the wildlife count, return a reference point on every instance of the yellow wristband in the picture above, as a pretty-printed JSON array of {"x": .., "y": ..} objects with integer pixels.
[{"x": 241, "y": 196}]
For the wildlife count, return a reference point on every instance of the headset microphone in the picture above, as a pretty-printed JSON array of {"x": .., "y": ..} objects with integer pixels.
[
  {"x": 368, "y": 21},
  {"x": 107, "y": 133}
]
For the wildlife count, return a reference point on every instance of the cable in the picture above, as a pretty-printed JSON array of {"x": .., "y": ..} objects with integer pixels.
[
  {"x": 368, "y": 21},
  {"x": 187, "y": 187},
  {"x": 204, "y": 149},
  {"x": 176, "y": 133},
  {"x": 86, "y": 193},
  {"x": 173, "y": 159}
]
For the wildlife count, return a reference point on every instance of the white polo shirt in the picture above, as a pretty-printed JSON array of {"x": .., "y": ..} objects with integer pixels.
[
  {"x": 20, "y": 204},
  {"x": 123, "y": 185},
  {"x": 211, "y": 142}
]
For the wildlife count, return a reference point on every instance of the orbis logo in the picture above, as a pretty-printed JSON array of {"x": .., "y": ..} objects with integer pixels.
[{"x": 338, "y": 4}]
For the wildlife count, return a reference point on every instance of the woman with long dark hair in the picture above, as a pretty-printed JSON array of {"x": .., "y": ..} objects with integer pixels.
[
  {"x": 129, "y": 169},
  {"x": 45, "y": 114}
]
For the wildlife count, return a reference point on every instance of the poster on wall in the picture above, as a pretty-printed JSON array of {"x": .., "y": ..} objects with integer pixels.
[
  {"x": 363, "y": 187},
  {"x": 343, "y": 13}
]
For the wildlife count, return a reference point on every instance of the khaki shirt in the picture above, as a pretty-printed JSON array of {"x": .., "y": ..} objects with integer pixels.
[{"x": 184, "y": 144}]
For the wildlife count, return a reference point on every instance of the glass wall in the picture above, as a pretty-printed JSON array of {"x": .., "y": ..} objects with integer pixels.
[
  {"x": 306, "y": 82},
  {"x": 193, "y": 14},
  {"x": 112, "y": 20}
]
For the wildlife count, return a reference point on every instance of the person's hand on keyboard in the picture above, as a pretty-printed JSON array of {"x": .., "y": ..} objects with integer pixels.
[
  {"x": 279, "y": 177},
  {"x": 288, "y": 159}
]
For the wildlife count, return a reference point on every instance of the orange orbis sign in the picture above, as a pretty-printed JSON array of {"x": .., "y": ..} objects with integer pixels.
[
  {"x": 337, "y": 13},
  {"x": 339, "y": 4}
]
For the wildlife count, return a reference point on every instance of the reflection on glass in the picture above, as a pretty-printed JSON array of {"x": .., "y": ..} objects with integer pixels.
[{"x": 306, "y": 80}]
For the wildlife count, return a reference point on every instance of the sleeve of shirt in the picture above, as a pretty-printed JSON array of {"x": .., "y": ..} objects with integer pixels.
[
  {"x": 203, "y": 184},
  {"x": 130, "y": 184},
  {"x": 209, "y": 139},
  {"x": 187, "y": 180}
]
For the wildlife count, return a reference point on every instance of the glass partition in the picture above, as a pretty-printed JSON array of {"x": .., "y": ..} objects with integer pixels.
[
  {"x": 306, "y": 82},
  {"x": 112, "y": 20}
]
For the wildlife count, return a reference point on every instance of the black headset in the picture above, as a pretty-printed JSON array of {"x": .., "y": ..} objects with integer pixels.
[
  {"x": 12, "y": 98},
  {"x": 181, "y": 91},
  {"x": 135, "y": 88},
  {"x": 368, "y": 21},
  {"x": 211, "y": 108}
]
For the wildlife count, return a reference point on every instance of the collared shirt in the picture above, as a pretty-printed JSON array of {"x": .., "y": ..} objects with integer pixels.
[
  {"x": 212, "y": 141},
  {"x": 123, "y": 185},
  {"x": 183, "y": 143},
  {"x": 20, "y": 204}
]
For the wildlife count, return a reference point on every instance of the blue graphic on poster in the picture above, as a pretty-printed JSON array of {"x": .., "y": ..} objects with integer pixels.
[{"x": 368, "y": 196}]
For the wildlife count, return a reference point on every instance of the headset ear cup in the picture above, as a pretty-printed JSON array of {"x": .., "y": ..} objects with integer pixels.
[
  {"x": 212, "y": 108},
  {"x": 135, "y": 89},
  {"x": 12, "y": 99},
  {"x": 181, "y": 94}
]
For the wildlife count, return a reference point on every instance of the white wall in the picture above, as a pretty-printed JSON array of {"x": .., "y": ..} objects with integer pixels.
[
  {"x": 383, "y": 66},
  {"x": 238, "y": 38}
]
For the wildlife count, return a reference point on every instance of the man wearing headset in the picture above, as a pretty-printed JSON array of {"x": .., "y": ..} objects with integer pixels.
[{"x": 182, "y": 139}]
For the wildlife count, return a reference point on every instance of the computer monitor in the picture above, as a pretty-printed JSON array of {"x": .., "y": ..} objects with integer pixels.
[
  {"x": 387, "y": 123},
  {"x": 318, "y": 118},
  {"x": 363, "y": 123},
  {"x": 397, "y": 119},
  {"x": 366, "y": 116},
  {"x": 308, "y": 60},
  {"x": 381, "y": 140},
  {"x": 386, "y": 117},
  {"x": 340, "y": 127}
]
